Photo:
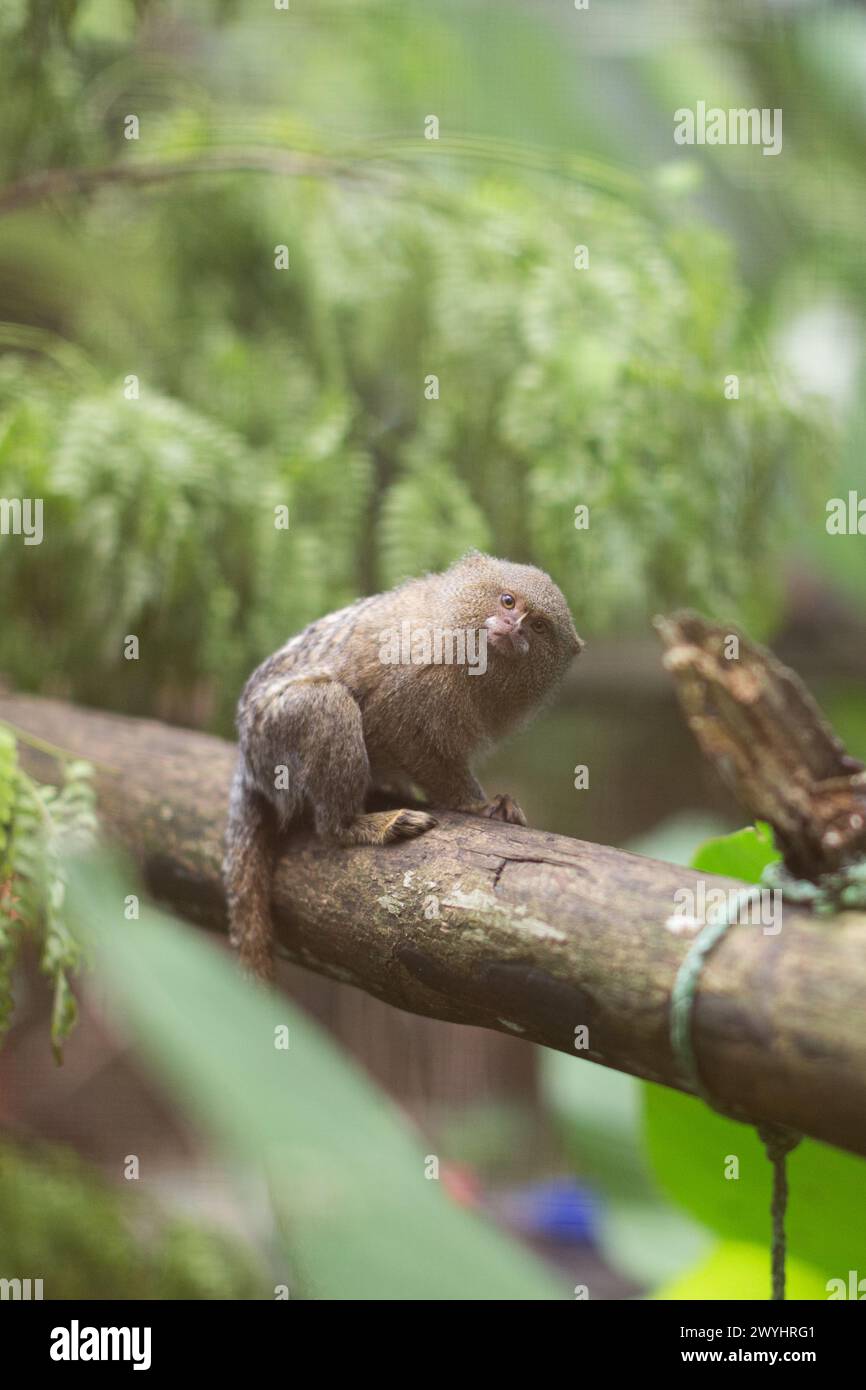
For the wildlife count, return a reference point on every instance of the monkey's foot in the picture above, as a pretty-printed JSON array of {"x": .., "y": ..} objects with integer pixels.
[
  {"x": 406, "y": 825},
  {"x": 501, "y": 807},
  {"x": 383, "y": 827}
]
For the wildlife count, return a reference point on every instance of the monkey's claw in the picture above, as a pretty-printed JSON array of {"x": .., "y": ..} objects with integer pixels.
[{"x": 505, "y": 808}]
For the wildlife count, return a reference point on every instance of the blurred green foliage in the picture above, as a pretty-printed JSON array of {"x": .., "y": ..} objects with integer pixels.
[
  {"x": 39, "y": 825},
  {"x": 65, "y": 1225},
  {"x": 305, "y": 387}
]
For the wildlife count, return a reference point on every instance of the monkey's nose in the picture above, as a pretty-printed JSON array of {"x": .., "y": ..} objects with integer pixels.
[{"x": 504, "y": 630}]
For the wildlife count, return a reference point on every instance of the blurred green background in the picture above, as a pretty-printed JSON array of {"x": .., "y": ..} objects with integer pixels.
[{"x": 164, "y": 386}]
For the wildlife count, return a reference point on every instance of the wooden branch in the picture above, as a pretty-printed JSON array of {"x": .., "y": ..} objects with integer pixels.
[
  {"x": 522, "y": 931},
  {"x": 50, "y": 184}
]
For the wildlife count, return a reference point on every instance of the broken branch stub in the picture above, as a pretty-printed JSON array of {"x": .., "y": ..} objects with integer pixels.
[{"x": 756, "y": 721}]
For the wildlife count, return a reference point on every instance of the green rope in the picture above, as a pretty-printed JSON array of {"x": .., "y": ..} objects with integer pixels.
[
  {"x": 836, "y": 891},
  {"x": 778, "y": 1141},
  {"x": 845, "y": 888},
  {"x": 686, "y": 985}
]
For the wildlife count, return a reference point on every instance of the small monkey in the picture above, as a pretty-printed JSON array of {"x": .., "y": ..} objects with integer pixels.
[{"x": 397, "y": 691}]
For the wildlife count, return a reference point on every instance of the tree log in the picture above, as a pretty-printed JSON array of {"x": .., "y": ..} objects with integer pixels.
[{"x": 530, "y": 933}]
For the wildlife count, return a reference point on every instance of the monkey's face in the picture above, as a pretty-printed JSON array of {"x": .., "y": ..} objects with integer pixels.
[
  {"x": 505, "y": 626},
  {"x": 521, "y": 630},
  {"x": 524, "y": 615}
]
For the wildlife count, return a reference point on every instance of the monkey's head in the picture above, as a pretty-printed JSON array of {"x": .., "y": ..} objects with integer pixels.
[{"x": 530, "y": 633}]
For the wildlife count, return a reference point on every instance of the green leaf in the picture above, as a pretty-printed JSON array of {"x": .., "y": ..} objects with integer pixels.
[
  {"x": 347, "y": 1176},
  {"x": 64, "y": 1014},
  {"x": 739, "y": 1270},
  {"x": 691, "y": 1148},
  {"x": 744, "y": 854}
]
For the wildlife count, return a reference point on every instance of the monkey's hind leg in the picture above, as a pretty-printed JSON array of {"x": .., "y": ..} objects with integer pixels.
[
  {"x": 333, "y": 770},
  {"x": 303, "y": 747},
  {"x": 248, "y": 866}
]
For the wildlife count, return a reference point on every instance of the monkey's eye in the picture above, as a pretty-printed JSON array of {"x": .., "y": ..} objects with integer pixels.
[
  {"x": 507, "y": 600},
  {"x": 538, "y": 625}
]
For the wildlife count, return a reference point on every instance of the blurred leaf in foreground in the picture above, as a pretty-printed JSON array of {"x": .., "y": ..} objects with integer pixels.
[{"x": 347, "y": 1178}]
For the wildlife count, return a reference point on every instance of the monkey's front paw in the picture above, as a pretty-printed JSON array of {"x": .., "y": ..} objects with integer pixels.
[
  {"x": 504, "y": 808},
  {"x": 407, "y": 824}
]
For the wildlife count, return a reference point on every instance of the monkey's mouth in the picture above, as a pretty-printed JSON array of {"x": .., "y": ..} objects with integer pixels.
[{"x": 504, "y": 635}]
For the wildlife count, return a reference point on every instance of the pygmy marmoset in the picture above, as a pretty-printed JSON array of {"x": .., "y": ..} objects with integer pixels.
[{"x": 397, "y": 691}]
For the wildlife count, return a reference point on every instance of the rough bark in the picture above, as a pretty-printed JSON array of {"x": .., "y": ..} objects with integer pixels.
[
  {"x": 518, "y": 930},
  {"x": 756, "y": 721}
]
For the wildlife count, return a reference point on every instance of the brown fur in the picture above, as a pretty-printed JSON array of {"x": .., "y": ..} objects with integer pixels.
[{"x": 344, "y": 723}]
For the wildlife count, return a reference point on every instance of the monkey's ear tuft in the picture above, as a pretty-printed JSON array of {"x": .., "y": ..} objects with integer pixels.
[{"x": 473, "y": 557}]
